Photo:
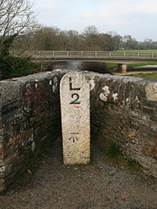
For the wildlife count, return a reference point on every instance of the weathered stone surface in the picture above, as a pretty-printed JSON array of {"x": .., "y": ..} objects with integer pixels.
[
  {"x": 29, "y": 116},
  {"x": 75, "y": 110},
  {"x": 151, "y": 91},
  {"x": 123, "y": 109},
  {"x": 2, "y": 186}
]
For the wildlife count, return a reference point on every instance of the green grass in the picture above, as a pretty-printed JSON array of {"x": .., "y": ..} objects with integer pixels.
[
  {"x": 136, "y": 53},
  {"x": 136, "y": 65},
  {"x": 114, "y": 156},
  {"x": 111, "y": 66},
  {"x": 133, "y": 165},
  {"x": 148, "y": 76},
  {"x": 137, "y": 50},
  {"x": 114, "y": 151}
]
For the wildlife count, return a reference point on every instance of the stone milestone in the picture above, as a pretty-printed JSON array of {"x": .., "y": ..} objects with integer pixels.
[{"x": 75, "y": 114}]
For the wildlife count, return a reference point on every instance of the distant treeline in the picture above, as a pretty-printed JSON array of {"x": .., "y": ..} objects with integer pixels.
[{"x": 49, "y": 38}]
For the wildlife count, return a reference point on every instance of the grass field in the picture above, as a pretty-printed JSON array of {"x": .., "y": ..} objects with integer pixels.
[
  {"x": 112, "y": 66},
  {"x": 148, "y": 76},
  {"x": 136, "y": 53},
  {"x": 130, "y": 50}
]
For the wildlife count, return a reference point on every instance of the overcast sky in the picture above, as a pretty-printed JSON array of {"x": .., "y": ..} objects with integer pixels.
[{"x": 135, "y": 17}]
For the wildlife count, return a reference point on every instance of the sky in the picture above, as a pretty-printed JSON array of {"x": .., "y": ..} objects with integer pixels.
[{"x": 137, "y": 18}]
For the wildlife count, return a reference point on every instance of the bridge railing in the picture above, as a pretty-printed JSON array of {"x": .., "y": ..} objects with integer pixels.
[{"x": 92, "y": 54}]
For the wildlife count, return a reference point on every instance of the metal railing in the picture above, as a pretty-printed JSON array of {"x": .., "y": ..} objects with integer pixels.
[{"x": 92, "y": 54}]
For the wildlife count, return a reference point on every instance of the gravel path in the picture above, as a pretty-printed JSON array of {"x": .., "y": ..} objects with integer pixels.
[{"x": 95, "y": 186}]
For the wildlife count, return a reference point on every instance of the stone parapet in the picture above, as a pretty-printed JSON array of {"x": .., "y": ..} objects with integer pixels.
[
  {"x": 123, "y": 109},
  {"x": 28, "y": 118}
]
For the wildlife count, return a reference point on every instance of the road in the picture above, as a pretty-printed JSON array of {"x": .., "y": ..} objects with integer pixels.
[{"x": 100, "y": 185}]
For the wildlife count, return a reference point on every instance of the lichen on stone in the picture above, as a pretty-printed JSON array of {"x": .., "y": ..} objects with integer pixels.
[
  {"x": 115, "y": 96},
  {"x": 104, "y": 95},
  {"x": 92, "y": 84},
  {"x": 151, "y": 91}
]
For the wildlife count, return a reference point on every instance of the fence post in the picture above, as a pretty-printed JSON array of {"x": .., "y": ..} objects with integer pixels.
[
  {"x": 152, "y": 54},
  {"x": 110, "y": 54},
  {"x": 67, "y": 54},
  {"x": 138, "y": 54},
  {"x": 124, "y": 53}
]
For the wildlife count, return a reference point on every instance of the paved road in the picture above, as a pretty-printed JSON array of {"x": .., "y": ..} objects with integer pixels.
[{"x": 99, "y": 185}]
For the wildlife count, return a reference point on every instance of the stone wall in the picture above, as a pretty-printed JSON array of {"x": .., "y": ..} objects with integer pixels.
[
  {"x": 123, "y": 109},
  {"x": 28, "y": 118}
]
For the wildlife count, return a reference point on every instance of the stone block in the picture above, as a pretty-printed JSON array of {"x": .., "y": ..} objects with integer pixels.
[{"x": 75, "y": 112}]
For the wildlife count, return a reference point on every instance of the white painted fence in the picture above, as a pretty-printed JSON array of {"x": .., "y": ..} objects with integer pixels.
[{"x": 92, "y": 54}]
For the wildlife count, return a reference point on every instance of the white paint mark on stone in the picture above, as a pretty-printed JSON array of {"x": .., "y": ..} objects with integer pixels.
[
  {"x": 2, "y": 169},
  {"x": 75, "y": 112},
  {"x": 54, "y": 84},
  {"x": 36, "y": 83},
  {"x": 137, "y": 99},
  {"x": 151, "y": 91},
  {"x": 50, "y": 82},
  {"x": 92, "y": 84},
  {"x": 28, "y": 85},
  {"x": 33, "y": 146},
  {"x": 106, "y": 90},
  {"x": 31, "y": 139},
  {"x": 127, "y": 100},
  {"x": 103, "y": 97},
  {"x": 53, "y": 89},
  {"x": 58, "y": 70},
  {"x": 115, "y": 96},
  {"x": 55, "y": 80}
]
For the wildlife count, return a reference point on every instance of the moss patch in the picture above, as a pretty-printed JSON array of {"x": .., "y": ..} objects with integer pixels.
[
  {"x": 133, "y": 165},
  {"x": 114, "y": 156},
  {"x": 113, "y": 151}
]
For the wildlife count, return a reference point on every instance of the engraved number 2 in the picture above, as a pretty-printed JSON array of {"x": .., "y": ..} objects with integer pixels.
[{"x": 76, "y": 97}]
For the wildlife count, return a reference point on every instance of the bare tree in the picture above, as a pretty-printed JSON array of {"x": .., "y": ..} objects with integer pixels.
[{"x": 15, "y": 18}]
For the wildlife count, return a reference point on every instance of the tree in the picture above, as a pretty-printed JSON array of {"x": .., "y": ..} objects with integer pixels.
[
  {"x": 91, "y": 38},
  {"x": 129, "y": 42},
  {"x": 15, "y": 18},
  {"x": 44, "y": 38},
  {"x": 90, "y": 30},
  {"x": 107, "y": 42}
]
